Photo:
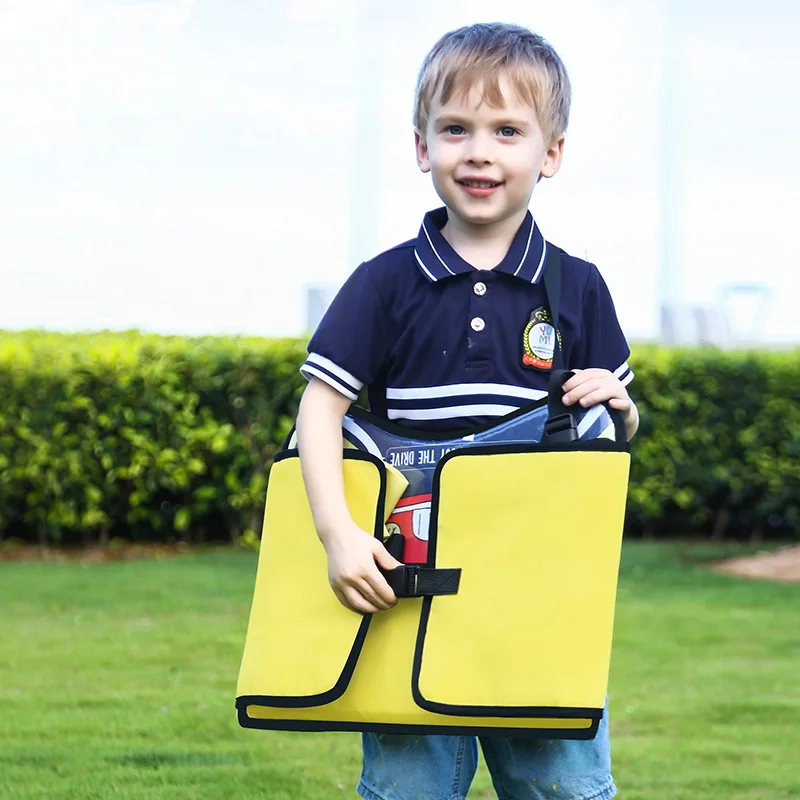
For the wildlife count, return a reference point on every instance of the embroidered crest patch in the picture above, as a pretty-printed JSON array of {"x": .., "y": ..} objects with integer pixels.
[{"x": 539, "y": 340}]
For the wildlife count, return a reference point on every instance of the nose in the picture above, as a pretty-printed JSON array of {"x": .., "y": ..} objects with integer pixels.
[{"x": 479, "y": 149}]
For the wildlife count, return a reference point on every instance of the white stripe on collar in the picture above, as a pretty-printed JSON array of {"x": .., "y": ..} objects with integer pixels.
[
  {"x": 527, "y": 247},
  {"x": 541, "y": 262},
  {"x": 435, "y": 251},
  {"x": 424, "y": 268}
]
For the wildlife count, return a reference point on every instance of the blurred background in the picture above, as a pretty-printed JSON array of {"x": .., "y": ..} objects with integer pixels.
[{"x": 200, "y": 166}]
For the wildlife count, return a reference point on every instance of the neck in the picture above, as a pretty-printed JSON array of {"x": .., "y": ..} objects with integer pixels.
[{"x": 482, "y": 246}]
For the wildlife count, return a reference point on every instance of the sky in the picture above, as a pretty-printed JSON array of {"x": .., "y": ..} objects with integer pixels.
[{"x": 193, "y": 166}]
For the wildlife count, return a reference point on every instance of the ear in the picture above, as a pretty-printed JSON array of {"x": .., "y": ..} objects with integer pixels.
[
  {"x": 552, "y": 158},
  {"x": 423, "y": 159}
]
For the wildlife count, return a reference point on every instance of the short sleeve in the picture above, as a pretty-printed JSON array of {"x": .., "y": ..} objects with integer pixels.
[
  {"x": 348, "y": 348},
  {"x": 602, "y": 344}
]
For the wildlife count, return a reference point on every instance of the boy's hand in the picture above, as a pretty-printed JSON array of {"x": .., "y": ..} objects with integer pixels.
[
  {"x": 353, "y": 558},
  {"x": 588, "y": 387}
]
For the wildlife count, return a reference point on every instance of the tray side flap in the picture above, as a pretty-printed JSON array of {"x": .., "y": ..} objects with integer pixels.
[
  {"x": 302, "y": 645},
  {"x": 537, "y": 535}
]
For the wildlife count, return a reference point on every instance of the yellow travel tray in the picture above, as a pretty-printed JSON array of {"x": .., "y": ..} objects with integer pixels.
[{"x": 513, "y": 634}]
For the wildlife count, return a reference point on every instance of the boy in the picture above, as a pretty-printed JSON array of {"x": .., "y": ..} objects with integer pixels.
[{"x": 437, "y": 329}]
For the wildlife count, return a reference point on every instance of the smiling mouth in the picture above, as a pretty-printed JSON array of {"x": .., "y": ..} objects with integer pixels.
[{"x": 480, "y": 184}]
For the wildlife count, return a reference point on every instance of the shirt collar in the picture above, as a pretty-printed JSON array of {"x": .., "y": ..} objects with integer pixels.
[{"x": 437, "y": 260}]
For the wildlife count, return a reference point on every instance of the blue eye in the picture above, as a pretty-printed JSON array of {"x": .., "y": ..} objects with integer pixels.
[
  {"x": 507, "y": 131},
  {"x": 455, "y": 130}
]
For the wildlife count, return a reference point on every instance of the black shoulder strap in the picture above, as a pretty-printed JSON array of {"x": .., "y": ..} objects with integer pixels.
[
  {"x": 561, "y": 425},
  {"x": 552, "y": 288}
]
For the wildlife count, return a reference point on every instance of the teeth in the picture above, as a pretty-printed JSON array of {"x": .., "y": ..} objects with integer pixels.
[{"x": 481, "y": 184}]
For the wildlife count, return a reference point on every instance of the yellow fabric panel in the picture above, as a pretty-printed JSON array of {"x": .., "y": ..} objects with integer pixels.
[
  {"x": 504, "y": 646},
  {"x": 380, "y": 690},
  {"x": 538, "y": 538},
  {"x": 299, "y": 648},
  {"x": 295, "y": 616}
]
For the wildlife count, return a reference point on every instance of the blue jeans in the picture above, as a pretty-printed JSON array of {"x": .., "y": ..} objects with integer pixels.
[{"x": 399, "y": 767}]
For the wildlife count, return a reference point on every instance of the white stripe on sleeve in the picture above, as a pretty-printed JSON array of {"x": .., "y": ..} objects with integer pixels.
[
  {"x": 331, "y": 366},
  {"x": 621, "y": 370},
  {"x": 308, "y": 370},
  {"x": 627, "y": 379}
]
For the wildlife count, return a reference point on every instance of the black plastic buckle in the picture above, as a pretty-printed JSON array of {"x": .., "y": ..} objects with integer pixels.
[
  {"x": 561, "y": 428},
  {"x": 403, "y": 580},
  {"x": 411, "y": 580}
]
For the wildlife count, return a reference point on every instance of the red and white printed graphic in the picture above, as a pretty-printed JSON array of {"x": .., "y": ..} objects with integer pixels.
[{"x": 412, "y": 517}]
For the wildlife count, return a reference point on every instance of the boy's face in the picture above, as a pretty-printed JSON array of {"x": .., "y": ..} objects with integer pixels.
[{"x": 485, "y": 161}]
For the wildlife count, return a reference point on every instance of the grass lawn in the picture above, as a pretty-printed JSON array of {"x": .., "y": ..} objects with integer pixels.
[{"x": 119, "y": 679}]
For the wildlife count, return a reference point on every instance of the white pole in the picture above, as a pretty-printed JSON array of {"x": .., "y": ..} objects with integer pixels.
[
  {"x": 364, "y": 201},
  {"x": 670, "y": 288}
]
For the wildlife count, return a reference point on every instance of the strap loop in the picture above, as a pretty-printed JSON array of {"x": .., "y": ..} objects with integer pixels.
[
  {"x": 409, "y": 580},
  {"x": 561, "y": 425}
]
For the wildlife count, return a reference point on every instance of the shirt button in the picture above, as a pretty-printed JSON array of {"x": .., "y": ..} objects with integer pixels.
[
  {"x": 477, "y": 324},
  {"x": 479, "y": 289}
]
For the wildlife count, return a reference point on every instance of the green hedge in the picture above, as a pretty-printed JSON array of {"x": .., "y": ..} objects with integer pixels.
[
  {"x": 148, "y": 437},
  {"x": 141, "y": 437},
  {"x": 718, "y": 450}
]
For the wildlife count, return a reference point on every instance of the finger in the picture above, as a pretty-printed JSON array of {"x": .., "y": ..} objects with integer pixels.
[
  {"x": 574, "y": 381},
  {"x": 357, "y": 602},
  {"x": 581, "y": 376},
  {"x": 351, "y": 600},
  {"x": 620, "y": 403},
  {"x": 601, "y": 395},
  {"x": 602, "y": 385},
  {"x": 358, "y": 587},
  {"x": 372, "y": 596},
  {"x": 381, "y": 591},
  {"x": 384, "y": 558},
  {"x": 581, "y": 391},
  {"x": 363, "y": 585},
  {"x": 342, "y": 598}
]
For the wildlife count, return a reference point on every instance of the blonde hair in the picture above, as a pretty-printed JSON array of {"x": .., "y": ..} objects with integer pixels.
[{"x": 485, "y": 54}]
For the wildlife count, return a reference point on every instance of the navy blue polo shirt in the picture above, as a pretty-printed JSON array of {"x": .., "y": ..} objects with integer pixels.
[{"x": 442, "y": 345}]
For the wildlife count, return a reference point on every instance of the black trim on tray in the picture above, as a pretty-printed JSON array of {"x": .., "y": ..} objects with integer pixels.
[{"x": 246, "y": 721}]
